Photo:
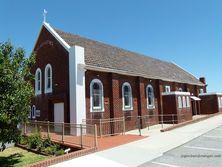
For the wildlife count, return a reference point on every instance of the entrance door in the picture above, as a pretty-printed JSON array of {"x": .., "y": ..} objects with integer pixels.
[{"x": 58, "y": 116}]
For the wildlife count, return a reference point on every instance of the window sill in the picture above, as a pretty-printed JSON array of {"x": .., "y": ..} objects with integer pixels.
[
  {"x": 127, "y": 109},
  {"x": 96, "y": 110},
  {"x": 48, "y": 91},
  {"x": 37, "y": 94},
  {"x": 151, "y": 107}
]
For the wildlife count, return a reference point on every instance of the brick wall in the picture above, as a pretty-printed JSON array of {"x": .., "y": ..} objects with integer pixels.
[
  {"x": 113, "y": 103},
  {"x": 48, "y": 50},
  {"x": 209, "y": 104},
  {"x": 170, "y": 106}
]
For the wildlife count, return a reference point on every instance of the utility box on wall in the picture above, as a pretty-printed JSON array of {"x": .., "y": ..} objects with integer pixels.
[
  {"x": 210, "y": 103},
  {"x": 176, "y": 107}
]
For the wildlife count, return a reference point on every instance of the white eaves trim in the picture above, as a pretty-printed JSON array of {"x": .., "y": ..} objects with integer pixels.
[
  {"x": 122, "y": 72},
  {"x": 210, "y": 93},
  {"x": 195, "y": 98},
  {"x": 176, "y": 93},
  {"x": 54, "y": 33}
]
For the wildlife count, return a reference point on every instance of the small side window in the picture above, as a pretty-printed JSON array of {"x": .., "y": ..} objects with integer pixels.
[
  {"x": 179, "y": 102},
  {"x": 167, "y": 88},
  {"x": 201, "y": 91},
  {"x": 188, "y": 101},
  {"x": 184, "y": 102}
]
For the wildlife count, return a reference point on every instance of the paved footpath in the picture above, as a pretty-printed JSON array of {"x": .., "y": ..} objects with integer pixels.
[{"x": 138, "y": 152}]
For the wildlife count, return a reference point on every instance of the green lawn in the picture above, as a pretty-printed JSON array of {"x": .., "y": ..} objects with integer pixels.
[{"x": 15, "y": 156}]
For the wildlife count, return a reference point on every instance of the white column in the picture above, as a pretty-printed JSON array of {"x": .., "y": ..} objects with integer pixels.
[{"x": 77, "y": 86}]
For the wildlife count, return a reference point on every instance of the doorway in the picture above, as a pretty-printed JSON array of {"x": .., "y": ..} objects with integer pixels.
[{"x": 58, "y": 116}]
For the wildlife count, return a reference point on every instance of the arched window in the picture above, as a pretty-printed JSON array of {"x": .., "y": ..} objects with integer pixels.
[
  {"x": 96, "y": 96},
  {"x": 33, "y": 112},
  {"x": 188, "y": 101},
  {"x": 179, "y": 102},
  {"x": 150, "y": 96},
  {"x": 127, "y": 96},
  {"x": 38, "y": 82},
  {"x": 184, "y": 102},
  {"x": 48, "y": 78}
]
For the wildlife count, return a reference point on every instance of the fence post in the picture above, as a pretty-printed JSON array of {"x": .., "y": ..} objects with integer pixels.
[
  {"x": 63, "y": 132},
  {"x": 139, "y": 126},
  {"x": 81, "y": 136},
  {"x": 36, "y": 130},
  {"x": 173, "y": 119},
  {"x": 48, "y": 131},
  {"x": 100, "y": 127},
  {"x": 124, "y": 125},
  {"x": 95, "y": 136}
]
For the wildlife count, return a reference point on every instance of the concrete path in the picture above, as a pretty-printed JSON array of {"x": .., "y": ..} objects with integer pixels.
[
  {"x": 138, "y": 152},
  {"x": 204, "y": 151}
]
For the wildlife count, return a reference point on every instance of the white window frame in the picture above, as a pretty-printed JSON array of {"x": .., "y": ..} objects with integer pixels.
[
  {"x": 179, "y": 102},
  {"x": 101, "y": 107},
  {"x": 188, "y": 101},
  {"x": 220, "y": 101},
  {"x": 152, "y": 106},
  {"x": 130, "y": 107},
  {"x": 184, "y": 102},
  {"x": 48, "y": 90},
  {"x": 201, "y": 90},
  {"x": 167, "y": 88},
  {"x": 38, "y": 91},
  {"x": 33, "y": 112}
]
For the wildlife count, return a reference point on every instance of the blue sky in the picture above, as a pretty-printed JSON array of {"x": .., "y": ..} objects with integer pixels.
[{"x": 187, "y": 32}]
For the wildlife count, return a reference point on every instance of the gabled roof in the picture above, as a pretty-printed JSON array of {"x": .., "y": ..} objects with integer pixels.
[{"x": 98, "y": 54}]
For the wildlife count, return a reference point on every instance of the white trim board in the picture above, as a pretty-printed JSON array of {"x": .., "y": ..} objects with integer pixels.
[
  {"x": 176, "y": 93},
  {"x": 210, "y": 93},
  {"x": 122, "y": 72},
  {"x": 58, "y": 38},
  {"x": 54, "y": 33}
]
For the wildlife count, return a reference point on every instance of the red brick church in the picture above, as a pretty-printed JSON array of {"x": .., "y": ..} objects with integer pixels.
[{"x": 78, "y": 78}]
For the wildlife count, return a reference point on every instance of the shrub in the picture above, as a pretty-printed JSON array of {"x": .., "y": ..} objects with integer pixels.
[
  {"x": 46, "y": 143},
  {"x": 35, "y": 141},
  {"x": 23, "y": 140},
  {"x": 59, "y": 152},
  {"x": 52, "y": 149}
]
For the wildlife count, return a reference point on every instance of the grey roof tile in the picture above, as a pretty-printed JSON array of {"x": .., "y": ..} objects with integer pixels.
[{"x": 102, "y": 55}]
